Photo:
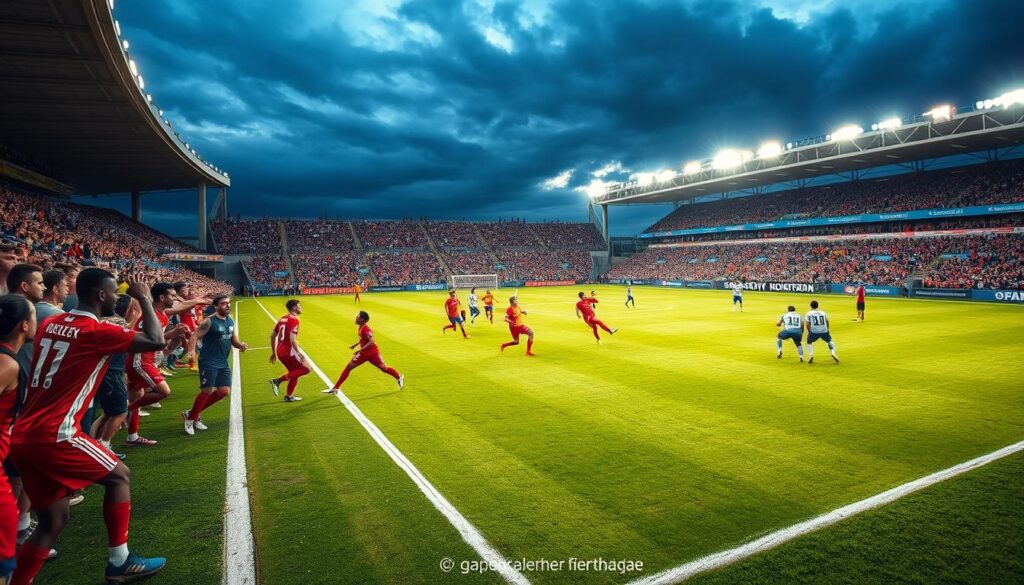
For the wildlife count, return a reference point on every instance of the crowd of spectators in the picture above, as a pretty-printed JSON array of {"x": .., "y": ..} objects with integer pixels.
[
  {"x": 338, "y": 269},
  {"x": 992, "y": 261},
  {"x": 263, "y": 271},
  {"x": 990, "y": 183},
  {"x": 509, "y": 235},
  {"x": 394, "y": 268},
  {"x": 545, "y": 265},
  {"x": 319, "y": 235},
  {"x": 382, "y": 235},
  {"x": 453, "y": 234},
  {"x": 247, "y": 236},
  {"x": 557, "y": 235},
  {"x": 480, "y": 262}
]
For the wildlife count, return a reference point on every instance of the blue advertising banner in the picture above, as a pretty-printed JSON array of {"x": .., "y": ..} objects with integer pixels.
[
  {"x": 869, "y": 290},
  {"x": 848, "y": 219},
  {"x": 942, "y": 293},
  {"x": 431, "y": 286},
  {"x": 387, "y": 288},
  {"x": 1002, "y": 296}
]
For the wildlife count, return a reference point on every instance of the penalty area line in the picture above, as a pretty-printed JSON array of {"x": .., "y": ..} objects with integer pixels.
[
  {"x": 470, "y": 534},
  {"x": 778, "y": 537}
]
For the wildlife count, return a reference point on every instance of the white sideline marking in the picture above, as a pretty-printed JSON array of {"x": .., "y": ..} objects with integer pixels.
[
  {"x": 774, "y": 539},
  {"x": 469, "y": 533},
  {"x": 239, "y": 553}
]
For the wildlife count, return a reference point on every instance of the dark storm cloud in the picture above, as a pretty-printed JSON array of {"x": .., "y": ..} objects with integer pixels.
[{"x": 316, "y": 109}]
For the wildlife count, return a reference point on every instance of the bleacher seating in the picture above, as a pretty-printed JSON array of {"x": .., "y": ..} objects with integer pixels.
[
  {"x": 319, "y": 235},
  {"x": 247, "y": 236}
]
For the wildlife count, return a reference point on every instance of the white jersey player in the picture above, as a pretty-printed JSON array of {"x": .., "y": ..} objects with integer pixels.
[
  {"x": 474, "y": 309},
  {"x": 817, "y": 324},
  {"x": 792, "y": 328},
  {"x": 737, "y": 296}
]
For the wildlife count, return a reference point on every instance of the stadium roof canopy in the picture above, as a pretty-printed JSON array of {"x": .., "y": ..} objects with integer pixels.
[
  {"x": 71, "y": 98},
  {"x": 851, "y": 151}
]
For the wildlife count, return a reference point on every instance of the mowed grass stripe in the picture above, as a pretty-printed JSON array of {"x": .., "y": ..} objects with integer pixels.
[
  {"x": 587, "y": 451},
  {"x": 329, "y": 505}
]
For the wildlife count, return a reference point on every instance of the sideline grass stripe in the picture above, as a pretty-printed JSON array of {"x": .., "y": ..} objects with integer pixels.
[
  {"x": 239, "y": 555},
  {"x": 774, "y": 539},
  {"x": 469, "y": 533}
]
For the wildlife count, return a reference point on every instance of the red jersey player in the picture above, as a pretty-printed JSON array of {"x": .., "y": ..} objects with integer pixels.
[
  {"x": 48, "y": 447},
  {"x": 146, "y": 385},
  {"x": 860, "y": 301},
  {"x": 368, "y": 352},
  {"x": 451, "y": 307},
  {"x": 513, "y": 316},
  {"x": 284, "y": 346},
  {"x": 585, "y": 311},
  {"x": 17, "y": 325}
]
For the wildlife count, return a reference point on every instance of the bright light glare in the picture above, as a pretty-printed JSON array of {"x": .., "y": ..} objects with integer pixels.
[
  {"x": 142, "y": 83},
  {"x": 727, "y": 159},
  {"x": 943, "y": 112},
  {"x": 847, "y": 132},
  {"x": 1012, "y": 98},
  {"x": 125, "y": 45},
  {"x": 691, "y": 168},
  {"x": 664, "y": 176},
  {"x": 595, "y": 189},
  {"x": 133, "y": 67},
  {"x": 117, "y": 28},
  {"x": 644, "y": 179},
  {"x": 889, "y": 124},
  {"x": 769, "y": 150},
  {"x": 110, "y": 3}
]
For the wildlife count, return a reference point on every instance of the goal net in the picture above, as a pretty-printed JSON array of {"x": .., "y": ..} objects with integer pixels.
[{"x": 473, "y": 280}]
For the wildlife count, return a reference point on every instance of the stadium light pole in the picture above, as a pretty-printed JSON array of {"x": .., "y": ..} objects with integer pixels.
[
  {"x": 201, "y": 216},
  {"x": 136, "y": 206}
]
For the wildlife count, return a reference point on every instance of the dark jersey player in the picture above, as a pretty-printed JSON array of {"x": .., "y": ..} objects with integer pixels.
[
  {"x": 368, "y": 351},
  {"x": 218, "y": 335}
]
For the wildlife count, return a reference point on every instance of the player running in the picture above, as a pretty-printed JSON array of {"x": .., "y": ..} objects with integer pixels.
[
  {"x": 488, "y": 300},
  {"x": 145, "y": 383},
  {"x": 793, "y": 328},
  {"x": 513, "y": 316},
  {"x": 48, "y": 446},
  {"x": 737, "y": 296},
  {"x": 284, "y": 346},
  {"x": 474, "y": 310},
  {"x": 218, "y": 335},
  {"x": 817, "y": 324},
  {"x": 629, "y": 296},
  {"x": 368, "y": 351},
  {"x": 585, "y": 311},
  {"x": 860, "y": 301},
  {"x": 451, "y": 307}
]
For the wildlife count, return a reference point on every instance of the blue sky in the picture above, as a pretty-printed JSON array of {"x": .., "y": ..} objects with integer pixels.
[{"x": 486, "y": 108}]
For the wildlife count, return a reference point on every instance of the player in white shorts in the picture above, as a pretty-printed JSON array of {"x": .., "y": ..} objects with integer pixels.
[
  {"x": 737, "y": 295},
  {"x": 816, "y": 322}
]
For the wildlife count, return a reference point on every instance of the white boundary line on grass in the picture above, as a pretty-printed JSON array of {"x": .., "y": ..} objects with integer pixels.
[
  {"x": 239, "y": 547},
  {"x": 469, "y": 533},
  {"x": 774, "y": 539}
]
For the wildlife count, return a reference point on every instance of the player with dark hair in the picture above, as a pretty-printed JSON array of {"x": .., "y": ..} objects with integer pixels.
[
  {"x": 368, "y": 351},
  {"x": 48, "y": 447},
  {"x": 792, "y": 328},
  {"x": 816, "y": 322},
  {"x": 860, "y": 301},
  {"x": 219, "y": 335},
  {"x": 513, "y": 316},
  {"x": 284, "y": 346},
  {"x": 146, "y": 385},
  {"x": 585, "y": 311},
  {"x": 488, "y": 301},
  {"x": 27, "y": 281},
  {"x": 17, "y": 326},
  {"x": 55, "y": 284},
  {"x": 455, "y": 320}
]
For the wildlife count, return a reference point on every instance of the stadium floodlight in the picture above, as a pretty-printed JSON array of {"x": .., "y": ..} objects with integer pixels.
[
  {"x": 142, "y": 83},
  {"x": 727, "y": 159},
  {"x": 789, "y": 145},
  {"x": 666, "y": 175},
  {"x": 117, "y": 28},
  {"x": 769, "y": 150},
  {"x": 110, "y": 3},
  {"x": 133, "y": 67},
  {"x": 644, "y": 179},
  {"x": 149, "y": 98},
  {"x": 160, "y": 113},
  {"x": 888, "y": 124},
  {"x": 595, "y": 189},
  {"x": 124, "y": 44},
  {"x": 692, "y": 168},
  {"x": 848, "y": 132},
  {"x": 1011, "y": 98},
  {"x": 941, "y": 113}
]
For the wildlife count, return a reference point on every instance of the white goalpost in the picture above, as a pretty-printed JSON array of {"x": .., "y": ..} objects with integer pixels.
[{"x": 458, "y": 281}]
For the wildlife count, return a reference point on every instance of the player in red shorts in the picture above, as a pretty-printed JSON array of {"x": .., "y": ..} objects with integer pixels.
[
  {"x": 17, "y": 326},
  {"x": 451, "y": 308},
  {"x": 368, "y": 351},
  {"x": 285, "y": 347},
  {"x": 48, "y": 447},
  {"x": 188, "y": 309},
  {"x": 585, "y": 311},
  {"x": 513, "y": 316},
  {"x": 145, "y": 383}
]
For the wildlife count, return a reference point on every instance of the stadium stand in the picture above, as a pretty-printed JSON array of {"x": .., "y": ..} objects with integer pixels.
[
  {"x": 508, "y": 235},
  {"x": 392, "y": 268},
  {"x": 453, "y": 234},
  {"x": 339, "y": 269},
  {"x": 319, "y": 235},
  {"x": 568, "y": 235},
  {"x": 986, "y": 184},
  {"x": 255, "y": 236},
  {"x": 384, "y": 235},
  {"x": 262, "y": 271}
]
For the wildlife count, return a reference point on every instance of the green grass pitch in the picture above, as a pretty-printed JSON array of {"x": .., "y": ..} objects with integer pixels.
[{"x": 682, "y": 435}]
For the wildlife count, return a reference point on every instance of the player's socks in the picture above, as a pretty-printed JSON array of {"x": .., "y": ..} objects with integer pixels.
[
  {"x": 117, "y": 516},
  {"x": 198, "y": 405},
  {"x": 392, "y": 372},
  {"x": 342, "y": 378},
  {"x": 133, "y": 421},
  {"x": 800, "y": 352},
  {"x": 778, "y": 346},
  {"x": 147, "y": 399},
  {"x": 292, "y": 383},
  {"x": 810, "y": 351},
  {"x": 529, "y": 347},
  {"x": 213, "y": 398},
  {"x": 504, "y": 345},
  {"x": 30, "y": 559}
]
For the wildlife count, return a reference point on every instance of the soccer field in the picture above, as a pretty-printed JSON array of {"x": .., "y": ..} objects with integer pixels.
[{"x": 680, "y": 436}]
